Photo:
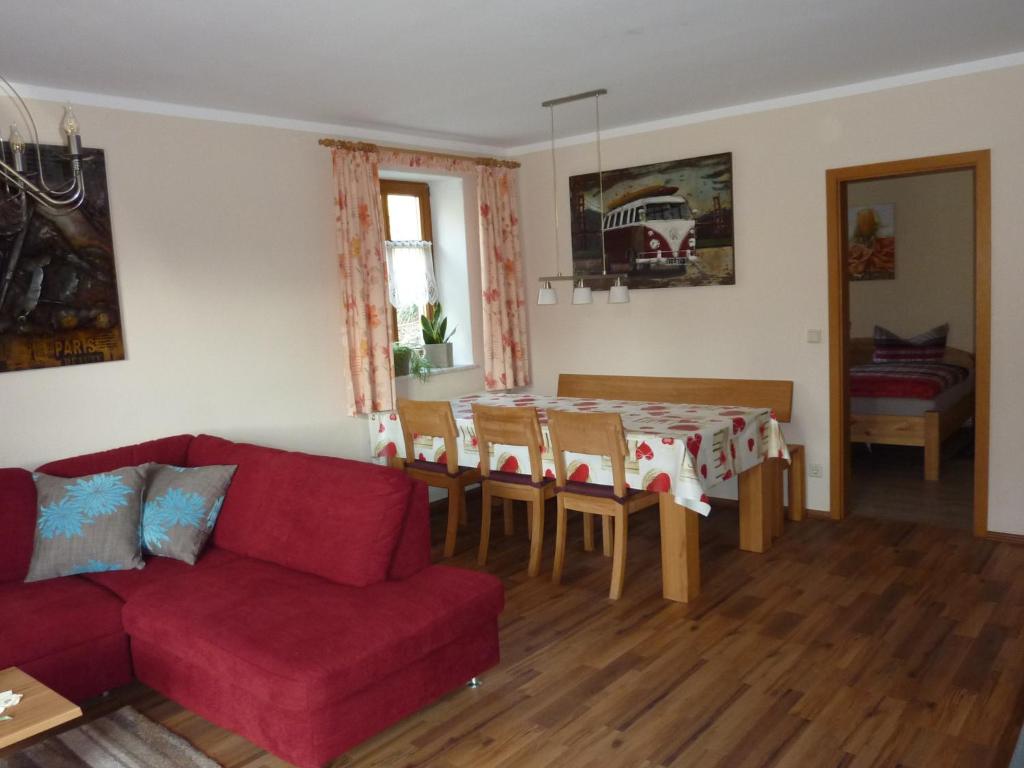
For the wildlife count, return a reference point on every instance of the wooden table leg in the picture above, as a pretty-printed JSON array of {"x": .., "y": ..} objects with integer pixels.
[
  {"x": 680, "y": 551},
  {"x": 756, "y": 513}
]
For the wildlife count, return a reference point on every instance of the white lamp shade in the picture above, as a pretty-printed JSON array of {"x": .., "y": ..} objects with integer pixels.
[
  {"x": 618, "y": 293},
  {"x": 547, "y": 295},
  {"x": 581, "y": 295}
]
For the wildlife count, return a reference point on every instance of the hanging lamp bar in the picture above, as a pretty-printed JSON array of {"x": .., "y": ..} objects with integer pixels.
[{"x": 574, "y": 97}]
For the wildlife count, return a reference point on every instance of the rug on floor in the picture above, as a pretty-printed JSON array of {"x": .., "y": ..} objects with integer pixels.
[{"x": 122, "y": 739}]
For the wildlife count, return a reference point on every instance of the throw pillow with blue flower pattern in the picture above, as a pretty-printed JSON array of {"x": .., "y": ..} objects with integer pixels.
[
  {"x": 87, "y": 524},
  {"x": 180, "y": 508}
]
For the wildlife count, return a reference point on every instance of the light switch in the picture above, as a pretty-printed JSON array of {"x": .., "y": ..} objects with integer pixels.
[{"x": 814, "y": 336}]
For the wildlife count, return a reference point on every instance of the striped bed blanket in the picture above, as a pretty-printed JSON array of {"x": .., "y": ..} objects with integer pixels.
[{"x": 920, "y": 381}]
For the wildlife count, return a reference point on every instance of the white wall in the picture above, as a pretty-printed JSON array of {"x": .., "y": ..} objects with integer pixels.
[
  {"x": 224, "y": 243},
  {"x": 934, "y": 281},
  {"x": 756, "y": 329}
]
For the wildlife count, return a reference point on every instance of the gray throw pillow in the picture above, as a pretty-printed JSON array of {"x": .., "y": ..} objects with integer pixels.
[
  {"x": 181, "y": 507},
  {"x": 87, "y": 524}
]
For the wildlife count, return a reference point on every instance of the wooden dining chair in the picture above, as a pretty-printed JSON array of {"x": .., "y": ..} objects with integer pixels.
[
  {"x": 598, "y": 434},
  {"x": 498, "y": 425},
  {"x": 435, "y": 419}
]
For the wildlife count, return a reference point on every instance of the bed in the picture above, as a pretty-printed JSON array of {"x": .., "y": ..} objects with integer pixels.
[{"x": 910, "y": 403}]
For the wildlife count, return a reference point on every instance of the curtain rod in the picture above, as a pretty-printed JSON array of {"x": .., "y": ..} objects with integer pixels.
[{"x": 363, "y": 146}]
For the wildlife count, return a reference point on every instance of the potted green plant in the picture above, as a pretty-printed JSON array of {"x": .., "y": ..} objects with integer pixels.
[
  {"x": 437, "y": 345},
  {"x": 402, "y": 357},
  {"x": 419, "y": 366}
]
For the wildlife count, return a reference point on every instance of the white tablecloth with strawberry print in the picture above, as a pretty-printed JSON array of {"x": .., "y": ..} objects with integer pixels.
[{"x": 683, "y": 449}]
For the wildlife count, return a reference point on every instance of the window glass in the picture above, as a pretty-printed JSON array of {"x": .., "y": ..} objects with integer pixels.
[{"x": 404, "y": 215}]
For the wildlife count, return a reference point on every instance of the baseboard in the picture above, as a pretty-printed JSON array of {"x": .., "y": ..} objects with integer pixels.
[{"x": 1006, "y": 538}]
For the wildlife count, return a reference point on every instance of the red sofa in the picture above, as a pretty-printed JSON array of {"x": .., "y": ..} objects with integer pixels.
[{"x": 313, "y": 620}]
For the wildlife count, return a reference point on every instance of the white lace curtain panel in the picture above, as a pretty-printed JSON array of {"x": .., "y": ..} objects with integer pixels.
[{"x": 411, "y": 273}]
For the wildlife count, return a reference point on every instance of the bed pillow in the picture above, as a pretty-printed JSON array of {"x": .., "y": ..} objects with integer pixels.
[
  {"x": 929, "y": 346},
  {"x": 180, "y": 508},
  {"x": 87, "y": 524}
]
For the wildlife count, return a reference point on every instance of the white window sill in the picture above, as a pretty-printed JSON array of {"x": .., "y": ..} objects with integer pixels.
[{"x": 440, "y": 372}]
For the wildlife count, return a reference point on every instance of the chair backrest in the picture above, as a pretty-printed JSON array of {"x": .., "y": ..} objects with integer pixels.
[
  {"x": 433, "y": 418},
  {"x": 752, "y": 393},
  {"x": 508, "y": 426},
  {"x": 598, "y": 434}
]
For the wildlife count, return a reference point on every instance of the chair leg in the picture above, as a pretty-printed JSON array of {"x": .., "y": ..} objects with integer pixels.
[
  {"x": 606, "y": 535},
  {"x": 619, "y": 555},
  {"x": 508, "y": 509},
  {"x": 535, "y": 512},
  {"x": 588, "y": 532},
  {"x": 485, "y": 525},
  {"x": 556, "y": 571},
  {"x": 456, "y": 507},
  {"x": 463, "y": 512}
]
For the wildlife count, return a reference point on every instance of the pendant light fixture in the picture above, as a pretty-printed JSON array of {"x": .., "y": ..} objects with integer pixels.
[{"x": 582, "y": 293}]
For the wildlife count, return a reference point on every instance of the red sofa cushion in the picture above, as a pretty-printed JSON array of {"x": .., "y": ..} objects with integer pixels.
[
  {"x": 166, "y": 450},
  {"x": 158, "y": 570},
  {"x": 17, "y": 523},
  {"x": 43, "y": 618},
  {"x": 336, "y": 518},
  {"x": 412, "y": 554},
  {"x": 296, "y": 641}
]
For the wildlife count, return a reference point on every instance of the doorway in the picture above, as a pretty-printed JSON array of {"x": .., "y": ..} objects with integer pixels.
[{"x": 928, "y": 429}]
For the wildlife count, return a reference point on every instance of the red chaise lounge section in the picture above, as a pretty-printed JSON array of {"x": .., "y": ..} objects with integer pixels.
[{"x": 313, "y": 620}]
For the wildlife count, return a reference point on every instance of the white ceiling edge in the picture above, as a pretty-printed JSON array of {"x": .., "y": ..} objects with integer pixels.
[
  {"x": 170, "y": 109},
  {"x": 781, "y": 102}
]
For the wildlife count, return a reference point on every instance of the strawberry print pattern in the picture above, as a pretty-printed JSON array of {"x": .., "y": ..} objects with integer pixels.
[{"x": 685, "y": 450}]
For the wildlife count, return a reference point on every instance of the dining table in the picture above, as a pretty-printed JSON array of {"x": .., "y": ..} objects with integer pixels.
[{"x": 679, "y": 451}]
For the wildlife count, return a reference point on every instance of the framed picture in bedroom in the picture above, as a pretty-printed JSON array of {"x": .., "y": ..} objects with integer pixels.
[
  {"x": 664, "y": 225},
  {"x": 59, "y": 302},
  {"x": 871, "y": 248}
]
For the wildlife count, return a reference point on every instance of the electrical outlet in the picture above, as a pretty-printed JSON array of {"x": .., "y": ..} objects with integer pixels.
[
  {"x": 814, "y": 470},
  {"x": 814, "y": 336}
]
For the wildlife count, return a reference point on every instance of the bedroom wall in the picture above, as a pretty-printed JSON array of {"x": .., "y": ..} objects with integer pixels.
[
  {"x": 934, "y": 281},
  {"x": 758, "y": 327},
  {"x": 224, "y": 243}
]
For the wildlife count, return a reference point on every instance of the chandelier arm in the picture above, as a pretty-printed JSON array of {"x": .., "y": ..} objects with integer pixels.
[
  {"x": 72, "y": 197},
  {"x": 26, "y": 115}
]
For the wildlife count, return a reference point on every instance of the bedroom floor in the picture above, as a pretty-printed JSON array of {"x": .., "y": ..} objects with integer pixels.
[{"x": 888, "y": 483}]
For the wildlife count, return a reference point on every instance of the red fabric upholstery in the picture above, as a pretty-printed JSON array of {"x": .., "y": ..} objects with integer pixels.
[
  {"x": 166, "y": 450},
  {"x": 158, "y": 570},
  {"x": 299, "y": 642},
  {"x": 69, "y": 631},
  {"x": 311, "y": 738},
  {"x": 597, "y": 490},
  {"x": 412, "y": 554},
  {"x": 518, "y": 478},
  {"x": 332, "y": 517},
  {"x": 17, "y": 523}
]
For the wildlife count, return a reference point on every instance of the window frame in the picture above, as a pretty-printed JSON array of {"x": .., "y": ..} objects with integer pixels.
[{"x": 417, "y": 189}]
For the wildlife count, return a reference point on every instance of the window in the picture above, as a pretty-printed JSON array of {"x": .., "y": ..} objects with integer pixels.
[{"x": 409, "y": 235}]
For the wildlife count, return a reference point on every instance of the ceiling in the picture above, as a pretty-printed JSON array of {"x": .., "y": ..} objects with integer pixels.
[{"x": 477, "y": 70}]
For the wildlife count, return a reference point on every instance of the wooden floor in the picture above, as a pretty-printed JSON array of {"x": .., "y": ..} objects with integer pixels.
[
  {"x": 888, "y": 483},
  {"x": 865, "y": 643}
]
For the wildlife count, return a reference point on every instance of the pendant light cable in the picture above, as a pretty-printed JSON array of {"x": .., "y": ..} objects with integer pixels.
[
  {"x": 600, "y": 181},
  {"x": 554, "y": 188}
]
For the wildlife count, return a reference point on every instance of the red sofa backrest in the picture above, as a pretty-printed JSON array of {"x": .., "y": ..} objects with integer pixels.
[
  {"x": 17, "y": 523},
  {"x": 335, "y": 518},
  {"x": 166, "y": 450}
]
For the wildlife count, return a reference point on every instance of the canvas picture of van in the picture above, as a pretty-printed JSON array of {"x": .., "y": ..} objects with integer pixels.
[{"x": 664, "y": 225}]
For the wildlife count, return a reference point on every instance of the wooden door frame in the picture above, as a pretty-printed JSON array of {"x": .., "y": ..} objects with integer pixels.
[{"x": 836, "y": 180}]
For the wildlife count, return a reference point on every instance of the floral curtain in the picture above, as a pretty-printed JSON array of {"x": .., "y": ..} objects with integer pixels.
[
  {"x": 506, "y": 364},
  {"x": 365, "y": 309}
]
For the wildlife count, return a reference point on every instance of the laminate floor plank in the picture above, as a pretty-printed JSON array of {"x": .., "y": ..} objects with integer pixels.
[{"x": 872, "y": 642}]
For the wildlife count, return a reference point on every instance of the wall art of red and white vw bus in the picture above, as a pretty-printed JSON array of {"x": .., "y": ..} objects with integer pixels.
[{"x": 653, "y": 229}]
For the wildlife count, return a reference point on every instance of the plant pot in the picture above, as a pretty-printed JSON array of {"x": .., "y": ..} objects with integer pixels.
[
  {"x": 401, "y": 361},
  {"x": 439, "y": 355}
]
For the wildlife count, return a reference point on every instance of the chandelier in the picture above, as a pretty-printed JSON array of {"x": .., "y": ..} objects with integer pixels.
[
  {"x": 581, "y": 294},
  {"x": 23, "y": 183}
]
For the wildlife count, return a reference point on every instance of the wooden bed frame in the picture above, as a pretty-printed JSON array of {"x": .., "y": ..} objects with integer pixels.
[{"x": 929, "y": 430}]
